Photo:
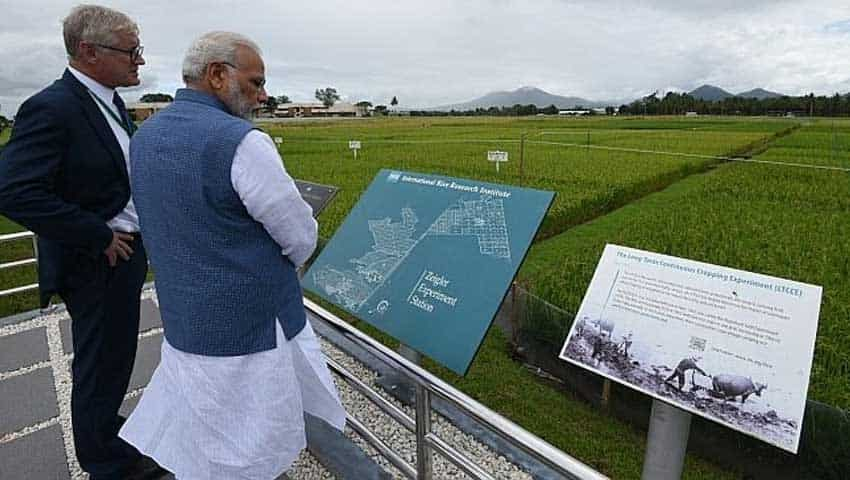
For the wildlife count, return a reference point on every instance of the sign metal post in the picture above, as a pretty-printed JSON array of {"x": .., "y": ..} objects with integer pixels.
[{"x": 666, "y": 442}]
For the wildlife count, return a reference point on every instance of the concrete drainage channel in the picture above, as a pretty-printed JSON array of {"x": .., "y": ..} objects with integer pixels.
[{"x": 35, "y": 427}]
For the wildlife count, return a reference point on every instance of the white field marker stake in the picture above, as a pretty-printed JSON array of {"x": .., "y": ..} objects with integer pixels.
[
  {"x": 354, "y": 145},
  {"x": 497, "y": 156}
]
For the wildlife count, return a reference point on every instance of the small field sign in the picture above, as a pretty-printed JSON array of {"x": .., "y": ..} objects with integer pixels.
[
  {"x": 354, "y": 145},
  {"x": 497, "y": 156}
]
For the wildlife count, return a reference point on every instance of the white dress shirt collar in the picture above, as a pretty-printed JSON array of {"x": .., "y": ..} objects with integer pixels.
[{"x": 103, "y": 92}]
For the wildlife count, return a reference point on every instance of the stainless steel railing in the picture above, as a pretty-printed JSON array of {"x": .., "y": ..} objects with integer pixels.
[
  {"x": 426, "y": 441},
  {"x": 14, "y": 237}
]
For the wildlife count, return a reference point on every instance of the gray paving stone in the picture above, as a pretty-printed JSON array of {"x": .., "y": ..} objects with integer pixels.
[
  {"x": 150, "y": 317},
  {"x": 19, "y": 318},
  {"x": 67, "y": 338},
  {"x": 128, "y": 406},
  {"x": 23, "y": 349},
  {"x": 27, "y": 400},
  {"x": 39, "y": 455},
  {"x": 339, "y": 454},
  {"x": 147, "y": 359}
]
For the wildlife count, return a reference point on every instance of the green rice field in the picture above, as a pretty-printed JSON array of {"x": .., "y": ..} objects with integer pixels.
[{"x": 790, "y": 222}]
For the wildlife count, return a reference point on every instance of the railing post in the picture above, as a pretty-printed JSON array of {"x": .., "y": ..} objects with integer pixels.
[
  {"x": 35, "y": 247},
  {"x": 423, "y": 428}
]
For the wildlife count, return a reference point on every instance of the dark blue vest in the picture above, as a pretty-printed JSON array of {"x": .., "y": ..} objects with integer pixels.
[{"x": 221, "y": 279}]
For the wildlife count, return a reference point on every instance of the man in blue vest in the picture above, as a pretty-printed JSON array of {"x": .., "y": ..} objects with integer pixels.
[
  {"x": 64, "y": 176},
  {"x": 226, "y": 230}
]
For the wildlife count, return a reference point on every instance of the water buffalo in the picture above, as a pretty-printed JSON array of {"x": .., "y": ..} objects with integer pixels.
[{"x": 730, "y": 386}]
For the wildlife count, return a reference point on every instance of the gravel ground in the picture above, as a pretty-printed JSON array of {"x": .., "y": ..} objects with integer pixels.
[
  {"x": 306, "y": 466},
  {"x": 402, "y": 440}
]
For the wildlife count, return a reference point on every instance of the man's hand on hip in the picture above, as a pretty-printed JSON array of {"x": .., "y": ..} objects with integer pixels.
[{"x": 119, "y": 247}]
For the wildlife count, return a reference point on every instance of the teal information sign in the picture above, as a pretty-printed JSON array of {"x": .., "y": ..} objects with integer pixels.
[{"x": 428, "y": 259}]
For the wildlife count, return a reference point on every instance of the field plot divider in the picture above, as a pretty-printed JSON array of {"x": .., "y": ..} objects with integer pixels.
[{"x": 690, "y": 155}]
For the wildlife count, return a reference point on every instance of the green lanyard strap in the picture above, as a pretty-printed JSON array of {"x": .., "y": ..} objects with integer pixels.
[{"x": 125, "y": 124}]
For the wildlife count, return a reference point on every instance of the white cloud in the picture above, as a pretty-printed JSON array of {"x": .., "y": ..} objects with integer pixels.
[{"x": 446, "y": 51}]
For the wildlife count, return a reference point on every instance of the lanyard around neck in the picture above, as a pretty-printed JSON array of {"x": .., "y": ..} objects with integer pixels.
[{"x": 124, "y": 123}]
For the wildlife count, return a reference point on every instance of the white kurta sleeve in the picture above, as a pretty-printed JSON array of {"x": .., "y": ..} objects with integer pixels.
[{"x": 271, "y": 198}]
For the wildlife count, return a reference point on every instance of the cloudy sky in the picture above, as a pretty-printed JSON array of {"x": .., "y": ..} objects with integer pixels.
[{"x": 436, "y": 52}]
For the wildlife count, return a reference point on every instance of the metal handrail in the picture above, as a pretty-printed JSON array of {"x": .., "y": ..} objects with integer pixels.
[
  {"x": 9, "y": 237},
  {"x": 12, "y": 237},
  {"x": 428, "y": 384}
]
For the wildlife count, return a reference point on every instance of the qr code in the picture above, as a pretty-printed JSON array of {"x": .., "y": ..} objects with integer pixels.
[{"x": 697, "y": 344}]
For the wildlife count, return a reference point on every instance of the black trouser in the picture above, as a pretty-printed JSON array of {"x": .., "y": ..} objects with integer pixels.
[{"x": 104, "y": 313}]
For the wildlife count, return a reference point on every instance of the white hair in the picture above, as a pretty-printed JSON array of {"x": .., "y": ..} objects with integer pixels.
[
  {"x": 95, "y": 24},
  {"x": 213, "y": 47}
]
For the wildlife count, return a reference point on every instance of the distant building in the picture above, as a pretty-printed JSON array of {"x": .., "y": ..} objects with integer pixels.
[
  {"x": 340, "y": 109},
  {"x": 691, "y": 114},
  {"x": 574, "y": 112},
  {"x": 140, "y": 111}
]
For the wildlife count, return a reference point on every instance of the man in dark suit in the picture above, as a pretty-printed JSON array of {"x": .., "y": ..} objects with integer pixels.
[{"x": 64, "y": 175}]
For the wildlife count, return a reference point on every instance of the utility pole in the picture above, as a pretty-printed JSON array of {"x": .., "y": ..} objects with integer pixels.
[{"x": 521, "y": 155}]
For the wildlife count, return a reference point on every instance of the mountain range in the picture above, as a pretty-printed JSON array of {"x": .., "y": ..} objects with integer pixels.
[
  {"x": 542, "y": 99},
  {"x": 523, "y": 96},
  {"x": 712, "y": 93}
]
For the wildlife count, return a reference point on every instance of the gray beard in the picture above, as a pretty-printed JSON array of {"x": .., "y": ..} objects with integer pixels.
[{"x": 237, "y": 104}]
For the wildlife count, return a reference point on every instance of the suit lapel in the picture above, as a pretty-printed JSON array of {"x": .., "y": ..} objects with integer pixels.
[{"x": 98, "y": 122}]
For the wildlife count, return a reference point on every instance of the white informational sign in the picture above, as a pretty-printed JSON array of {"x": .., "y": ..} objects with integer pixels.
[
  {"x": 278, "y": 140},
  {"x": 354, "y": 145},
  {"x": 732, "y": 346},
  {"x": 497, "y": 156}
]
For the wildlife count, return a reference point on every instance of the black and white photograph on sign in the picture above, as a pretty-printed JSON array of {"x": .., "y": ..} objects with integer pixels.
[{"x": 732, "y": 346}]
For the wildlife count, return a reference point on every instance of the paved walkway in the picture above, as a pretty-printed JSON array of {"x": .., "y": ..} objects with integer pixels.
[
  {"x": 35, "y": 403},
  {"x": 35, "y": 391}
]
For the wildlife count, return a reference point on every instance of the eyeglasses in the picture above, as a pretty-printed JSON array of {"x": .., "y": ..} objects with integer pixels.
[
  {"x": 259, "y": 83},
  {"x": 135, "y": 52}
]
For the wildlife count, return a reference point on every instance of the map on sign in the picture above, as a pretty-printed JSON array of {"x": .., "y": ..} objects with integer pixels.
[
  {"x": 316, "y": 195},
  {"x": 429, "y": 259}
]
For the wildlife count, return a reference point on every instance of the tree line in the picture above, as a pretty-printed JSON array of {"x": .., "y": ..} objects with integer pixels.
[{"x": 680, "y": 103}]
